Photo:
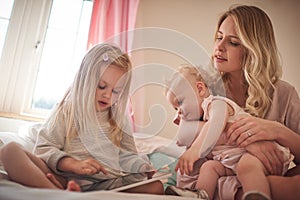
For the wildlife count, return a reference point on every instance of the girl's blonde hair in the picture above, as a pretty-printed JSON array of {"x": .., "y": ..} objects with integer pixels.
[
  {"x": 262, "y": 68},
  {"x": 78, "y": 104}
]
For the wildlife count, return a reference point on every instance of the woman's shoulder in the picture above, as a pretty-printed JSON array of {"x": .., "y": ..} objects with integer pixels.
[
  {"x": 282, "y": 85},
  {"x": 284, "y": 89},
  {"x": 285, "y": 106}
]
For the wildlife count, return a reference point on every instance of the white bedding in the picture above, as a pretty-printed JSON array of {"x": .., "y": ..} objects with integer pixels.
[{"x": 13, "y": 191}]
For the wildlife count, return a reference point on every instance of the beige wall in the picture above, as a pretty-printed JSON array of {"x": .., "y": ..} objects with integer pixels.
[{"x": 197, "y": 19}]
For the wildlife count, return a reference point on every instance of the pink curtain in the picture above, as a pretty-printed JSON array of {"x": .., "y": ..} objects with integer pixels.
[{"x": 109, "y": 19}]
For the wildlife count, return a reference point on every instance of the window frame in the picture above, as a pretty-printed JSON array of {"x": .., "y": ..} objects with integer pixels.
[{"x": 21, "y": 52}]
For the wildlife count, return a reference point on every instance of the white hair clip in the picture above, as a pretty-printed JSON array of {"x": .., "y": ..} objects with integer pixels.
[{"x": 105, "y": 57}]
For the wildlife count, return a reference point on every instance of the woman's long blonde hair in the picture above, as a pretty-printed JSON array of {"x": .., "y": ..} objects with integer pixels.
[
  {"x": 261, "y": 62},
  {"x": 78, "y": 104}
]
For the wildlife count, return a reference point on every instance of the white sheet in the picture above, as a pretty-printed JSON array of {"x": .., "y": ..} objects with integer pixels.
[{"x": 13, "y": 191}]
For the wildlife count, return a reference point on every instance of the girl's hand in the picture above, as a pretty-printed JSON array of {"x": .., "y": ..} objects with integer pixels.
[
  {"x": 84, "y": 167},
  {"x": 248, "y": 129},
  {"x": 148, "y": 169},
  {"x": 268, "y": 153},
  {"x": 186, "y": 161},
  {"x": 150, "y": 174}
]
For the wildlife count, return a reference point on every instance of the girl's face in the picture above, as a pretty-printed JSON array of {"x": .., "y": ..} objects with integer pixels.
[
  {"x": 110, "y": 86},
  {"x": 228, "y": 51}
]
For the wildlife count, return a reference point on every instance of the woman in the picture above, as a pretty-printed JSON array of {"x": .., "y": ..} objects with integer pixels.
[{"x": 246, "y": 54}]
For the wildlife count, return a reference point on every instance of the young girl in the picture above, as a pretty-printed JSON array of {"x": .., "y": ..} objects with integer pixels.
[
  {"x": 194, "y": 102},
  {"x": 86, "y": 138}
]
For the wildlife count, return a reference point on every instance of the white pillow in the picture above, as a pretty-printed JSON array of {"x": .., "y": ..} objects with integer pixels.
[
  {"x": 29, "y": 132},
  {"x": 6, "y": 137}
]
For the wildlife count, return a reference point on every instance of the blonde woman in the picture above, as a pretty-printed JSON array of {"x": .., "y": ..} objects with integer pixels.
[
  {"x": 246, "y": 54},
  {"x": 86, "y": 139}
]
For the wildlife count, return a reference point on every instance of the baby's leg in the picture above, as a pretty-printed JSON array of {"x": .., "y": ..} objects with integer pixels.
[
  {"x": 209, "y": 174},
  {"x": 252, "y": 175},
  {"x": 25, "y": 168}
]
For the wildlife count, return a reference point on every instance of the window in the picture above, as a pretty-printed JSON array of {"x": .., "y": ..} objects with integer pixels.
[
  {"x": 5, "y": 13},
  {"x": 65, "y": 45},
  {"x": 44, "y": 46}
]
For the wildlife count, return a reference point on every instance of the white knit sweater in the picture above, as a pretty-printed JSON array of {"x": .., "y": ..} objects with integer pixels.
[{"x": 52, "y": 146}]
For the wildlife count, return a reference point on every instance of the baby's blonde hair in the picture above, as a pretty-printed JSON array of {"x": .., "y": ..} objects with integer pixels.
[
  {"x": 190, "y": 70},
  {"x": 195, "y": 73}
]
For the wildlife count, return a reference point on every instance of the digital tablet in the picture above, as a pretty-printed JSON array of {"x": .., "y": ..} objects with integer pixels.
[{"x": 157, "y": 176}]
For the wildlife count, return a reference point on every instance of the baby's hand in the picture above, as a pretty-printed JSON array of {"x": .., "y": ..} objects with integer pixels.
[
  {"x": 186, "y": 161},
  {"x": 85, "y": 167}
]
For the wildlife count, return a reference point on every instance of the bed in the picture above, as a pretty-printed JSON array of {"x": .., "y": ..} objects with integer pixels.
[
  {"x": 162, "y": 153},
  {"x": 13, "y": 191}
]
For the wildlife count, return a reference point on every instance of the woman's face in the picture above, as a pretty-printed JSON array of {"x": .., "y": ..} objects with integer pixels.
[
  {"x": 111, "y": 84},
  {"x": 228, "y": 51}
]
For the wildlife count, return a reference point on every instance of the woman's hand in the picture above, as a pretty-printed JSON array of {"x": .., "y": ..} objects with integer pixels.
[
  {"x": 84, "y": 167},
  {"x": 248, "y": 129},
  {"x": 257, "y": 136},
  {"x": 186, "y": 161},
  {"x": 269, "y": 154}
]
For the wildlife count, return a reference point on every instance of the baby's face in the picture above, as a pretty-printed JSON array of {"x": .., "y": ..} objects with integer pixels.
[{"x": 184, "y": 97}]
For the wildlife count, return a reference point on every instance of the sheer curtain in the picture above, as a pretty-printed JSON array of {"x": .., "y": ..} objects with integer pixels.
[{"x": 109, "y": 19}]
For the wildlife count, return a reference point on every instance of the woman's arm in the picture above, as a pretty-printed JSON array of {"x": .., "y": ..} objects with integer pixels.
[
  {"x": 260, "y": 143},
  {"x": 282, "y": 126},
  {"x": 262, "y": 130},
  {"x": 289, "y": 138}
]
